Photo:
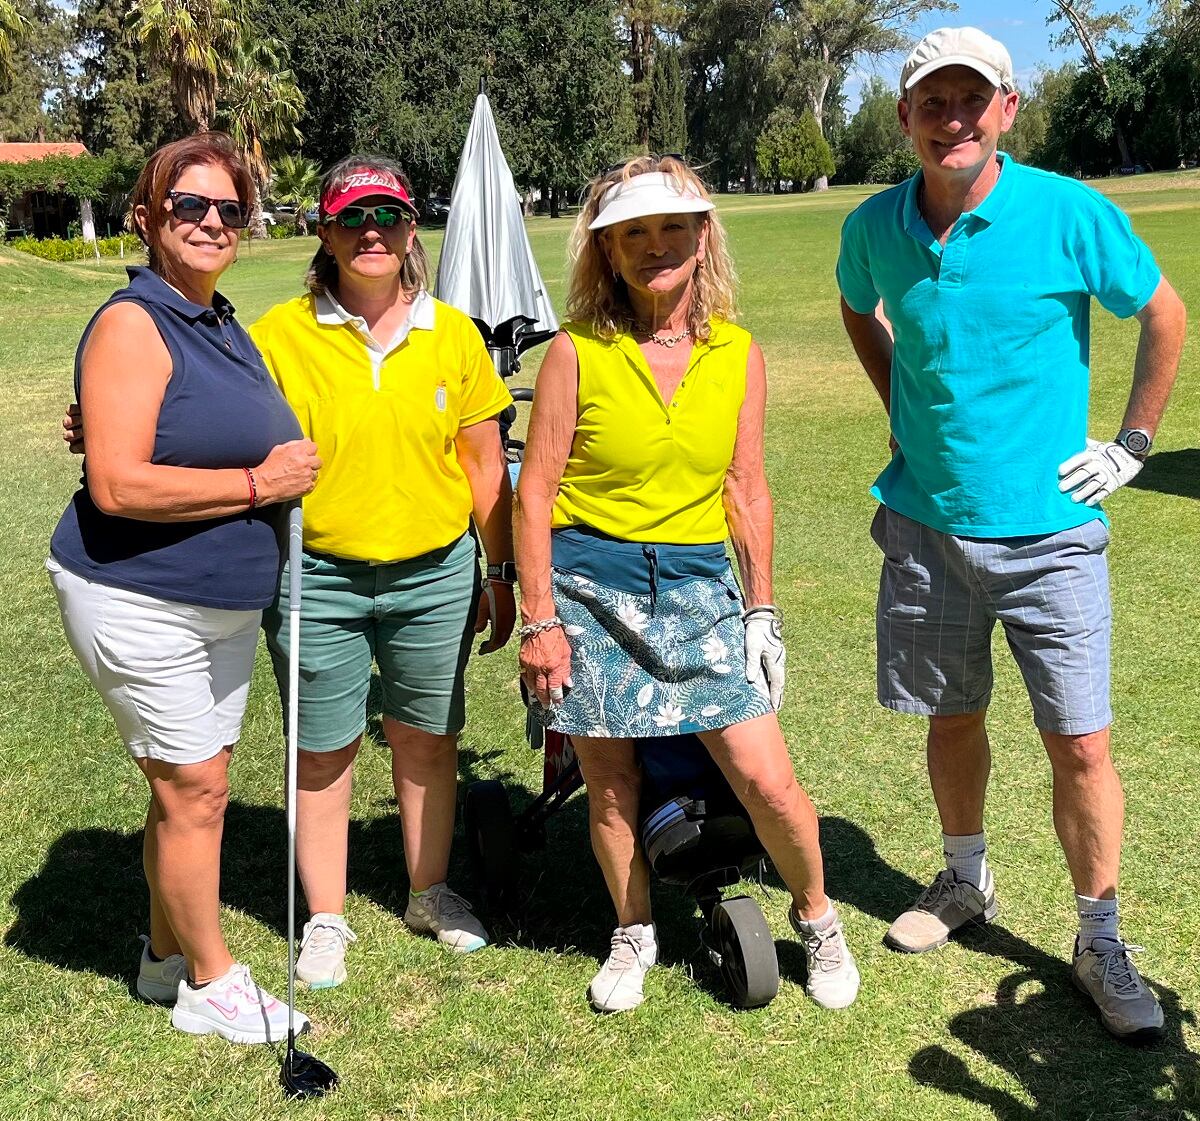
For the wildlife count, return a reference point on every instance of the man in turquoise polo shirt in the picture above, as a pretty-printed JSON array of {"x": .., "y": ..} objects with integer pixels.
[{"x": 984, "y": 271}]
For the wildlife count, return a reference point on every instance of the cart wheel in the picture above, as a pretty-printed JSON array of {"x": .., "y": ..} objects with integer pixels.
[
  {"x": 488, "y": 821},
  {"x": 749, "y": 965}
]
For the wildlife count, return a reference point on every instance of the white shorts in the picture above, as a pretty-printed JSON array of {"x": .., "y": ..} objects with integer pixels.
[{"x": 174, "y": 676}]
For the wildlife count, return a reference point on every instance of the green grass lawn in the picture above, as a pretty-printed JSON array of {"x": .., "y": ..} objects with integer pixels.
[{"x": 989, "y": 1026}]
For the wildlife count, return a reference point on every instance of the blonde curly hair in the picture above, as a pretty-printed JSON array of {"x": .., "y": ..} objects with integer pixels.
[{"x": 595, "y": 296}]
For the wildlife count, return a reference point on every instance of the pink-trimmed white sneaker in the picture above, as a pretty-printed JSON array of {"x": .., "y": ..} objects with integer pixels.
[{"x": 235, "y": 1008}]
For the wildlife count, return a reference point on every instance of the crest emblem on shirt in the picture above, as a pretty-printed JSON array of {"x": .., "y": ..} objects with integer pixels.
[{"x": 439, "y": 397}]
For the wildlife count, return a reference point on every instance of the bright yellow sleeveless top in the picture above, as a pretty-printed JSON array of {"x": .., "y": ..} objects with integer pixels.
[{"x": 644, "y": 470}]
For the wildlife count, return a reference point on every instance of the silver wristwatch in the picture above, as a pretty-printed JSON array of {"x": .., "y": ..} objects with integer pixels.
[{"x": 1136, "y": 441}]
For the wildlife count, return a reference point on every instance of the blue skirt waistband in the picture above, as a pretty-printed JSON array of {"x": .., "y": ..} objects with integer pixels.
[{"x": 635, "y": 567}]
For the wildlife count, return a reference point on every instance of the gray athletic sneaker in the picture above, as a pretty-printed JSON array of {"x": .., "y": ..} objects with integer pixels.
[
  {"x": 1103, "y": 970},
  {"x": 833, "y": 978},
  {"x": 448, "y": 917},
  {"x": 322, "y": 960},
  {"x": 944, "y": 906},
  {"x": 158, "y": 981}
]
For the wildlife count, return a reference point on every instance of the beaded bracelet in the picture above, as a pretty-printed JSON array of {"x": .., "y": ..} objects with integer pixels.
[
  {"x": 540, "y": 627},
  {"x": 253, "y": 487}
]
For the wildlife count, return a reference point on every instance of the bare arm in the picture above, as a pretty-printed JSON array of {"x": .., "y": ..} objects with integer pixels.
[
  {"x": 126, "y": 367},
  {"x": 1164, "y": 323},
  {"x": 871, "y": 337},
  {"x": 551, "y": 432},
  {"x": 545, "y": 658},
  {"x": 747, "y": 498},
  {"x": 482, "y": 457}
]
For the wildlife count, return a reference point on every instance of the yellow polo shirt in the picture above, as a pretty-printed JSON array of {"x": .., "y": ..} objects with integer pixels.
[
  {"x": 384, "y": 416},
  {"x": 642, "y": 469}
]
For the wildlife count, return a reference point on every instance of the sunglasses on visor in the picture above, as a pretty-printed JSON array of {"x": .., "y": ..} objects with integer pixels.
[
  {"x": 190, "y": 207},
  {"x": 386, "y": 215}
]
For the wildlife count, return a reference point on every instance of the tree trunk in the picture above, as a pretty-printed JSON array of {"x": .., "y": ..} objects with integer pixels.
[
  {"x": 87, "y": 222},
  {"x": 554, "y": 201},
  {"x": 527, "y": 202},
  {"x": 821, "y": 183},
  {"x": 258, "y": 225}
]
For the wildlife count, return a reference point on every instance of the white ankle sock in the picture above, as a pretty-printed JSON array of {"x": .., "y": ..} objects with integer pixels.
[
  {"x": 822, "y": 922},
  {"x": 1097, "y": 918},
  {"x": 966, "y": 857}
]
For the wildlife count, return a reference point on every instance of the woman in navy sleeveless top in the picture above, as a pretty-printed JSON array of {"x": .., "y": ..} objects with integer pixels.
[{"x": 169, "y": 551}]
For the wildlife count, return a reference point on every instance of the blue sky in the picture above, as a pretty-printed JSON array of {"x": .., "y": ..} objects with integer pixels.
[{"x": 1019, "y": 24}]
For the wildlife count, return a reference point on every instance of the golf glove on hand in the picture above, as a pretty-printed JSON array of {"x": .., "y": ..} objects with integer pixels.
[
  {"x": 765, "y": 654},
  {"x": 1092, "y": 475}
]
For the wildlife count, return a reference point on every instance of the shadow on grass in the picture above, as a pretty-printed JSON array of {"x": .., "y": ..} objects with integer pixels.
[
  {"x": 1039, "y": 1030},
  {"x": 1175, "y": 472}
]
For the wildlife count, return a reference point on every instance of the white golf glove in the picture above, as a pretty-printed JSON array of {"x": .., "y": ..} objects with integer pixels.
[
  {"x": 1097, "y": 471},
  {"x": 764, "y": 653}
]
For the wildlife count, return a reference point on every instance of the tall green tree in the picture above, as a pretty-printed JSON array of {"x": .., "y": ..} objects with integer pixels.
[
  {"x": 643, "y": 26},
  {"x": 37, "y": 100},
  {"x": 1092, "y": 30},
  {"x": 124, "y": 95},
  {"x": 668, "y": 116},
  {"x": 872, "y": 135},
  {"x": 829, "y": 35},
  {"x": 792, "y": 148},
  {"x": 190, "y": 38},
  {"x": 258, "y": 106}
]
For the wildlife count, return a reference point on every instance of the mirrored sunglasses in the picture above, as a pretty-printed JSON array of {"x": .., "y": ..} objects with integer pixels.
[
  {"x": 386, "y": 215},
  {"x": 190, "y": 207}
]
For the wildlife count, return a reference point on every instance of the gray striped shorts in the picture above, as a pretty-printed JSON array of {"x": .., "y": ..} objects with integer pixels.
[{"x": 940, "y": 596}]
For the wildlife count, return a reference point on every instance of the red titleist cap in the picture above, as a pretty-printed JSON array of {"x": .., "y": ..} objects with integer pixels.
[{"x": 360, "y": 184}]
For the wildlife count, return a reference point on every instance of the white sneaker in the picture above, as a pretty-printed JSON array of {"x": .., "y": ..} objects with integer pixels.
[
  {"x": 322, "y": 960},
  {"x": 618, "y": 985},
  {"x": 833, "y": 978},
  {"x": 158, "y": 981},
  {"x": 448, "y": 917},
  {"x": 235, "y": 1008}
]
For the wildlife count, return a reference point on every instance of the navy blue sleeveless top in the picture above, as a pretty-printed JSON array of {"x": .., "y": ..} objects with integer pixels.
[{"x": 221, "y": 409}]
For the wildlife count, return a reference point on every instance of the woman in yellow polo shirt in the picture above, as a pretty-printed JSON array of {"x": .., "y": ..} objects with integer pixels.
[
  {"x": 645, "y": 452},
  {"x": 399, "y": 393}
]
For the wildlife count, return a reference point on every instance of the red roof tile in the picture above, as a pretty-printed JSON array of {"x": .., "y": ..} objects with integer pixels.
[{"x": 21, "y": 153}]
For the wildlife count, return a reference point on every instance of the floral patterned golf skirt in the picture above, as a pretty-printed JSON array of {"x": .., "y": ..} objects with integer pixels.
[{"x": 656, "y": 635}]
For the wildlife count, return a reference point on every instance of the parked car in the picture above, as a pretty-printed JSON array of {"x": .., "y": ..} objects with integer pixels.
[{"x": 436, "y": 209}]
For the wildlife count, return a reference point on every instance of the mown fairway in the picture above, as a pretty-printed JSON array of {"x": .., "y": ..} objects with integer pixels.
[{"x": 990, "y": 1026}]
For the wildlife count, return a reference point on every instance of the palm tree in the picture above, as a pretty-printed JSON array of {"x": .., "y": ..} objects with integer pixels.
[
  {"x": 297, "y": 180},
  {"x": 189, "y": 37},
  {"x": 12, "y": 29},
  {"x": 260, "y": 104}
]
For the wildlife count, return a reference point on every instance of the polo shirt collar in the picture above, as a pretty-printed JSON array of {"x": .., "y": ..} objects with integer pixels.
[
  {"x": 330, "y": 313},
  {"x": 987, "y": 211},
  {"x": 151, "y": 287}
]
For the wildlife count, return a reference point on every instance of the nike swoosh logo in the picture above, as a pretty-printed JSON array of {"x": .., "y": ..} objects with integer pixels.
[{"x": 225, "y": 1010}]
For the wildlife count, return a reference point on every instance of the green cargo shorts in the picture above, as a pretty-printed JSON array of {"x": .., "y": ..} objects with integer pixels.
[{"x": 414, "y": 619}]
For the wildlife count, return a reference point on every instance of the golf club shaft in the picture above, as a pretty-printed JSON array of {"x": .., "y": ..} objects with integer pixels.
[{"x": 295, "y": 550}]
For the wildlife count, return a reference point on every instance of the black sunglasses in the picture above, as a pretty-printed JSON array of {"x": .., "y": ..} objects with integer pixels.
[
  {"x": 191, "y": 207},
  {"x": 386, "y": 215}
]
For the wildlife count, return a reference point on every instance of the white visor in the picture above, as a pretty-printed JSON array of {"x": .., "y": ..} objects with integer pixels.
[{"x": 653, "y": 192}]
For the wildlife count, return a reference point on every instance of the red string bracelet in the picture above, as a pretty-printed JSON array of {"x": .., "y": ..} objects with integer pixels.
[{"x": 253, "y": 487}]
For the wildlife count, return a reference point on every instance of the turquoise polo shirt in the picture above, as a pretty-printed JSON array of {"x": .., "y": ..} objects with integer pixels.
[{"x": 990, "y": 368}]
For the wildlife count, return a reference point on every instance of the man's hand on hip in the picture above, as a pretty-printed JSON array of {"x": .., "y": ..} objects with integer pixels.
[{"x": 1092, "y": 475}]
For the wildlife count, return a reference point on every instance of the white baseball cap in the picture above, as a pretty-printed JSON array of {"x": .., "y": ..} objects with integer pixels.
[
  {"x": 652, "y": 192},
  {"x": 957, "y": 46}
]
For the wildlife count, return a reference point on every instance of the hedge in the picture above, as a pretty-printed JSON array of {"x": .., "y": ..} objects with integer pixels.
[{"x": 76, "y": 249}]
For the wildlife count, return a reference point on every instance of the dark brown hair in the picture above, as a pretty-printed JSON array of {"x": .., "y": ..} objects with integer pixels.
[
  {"x": 164, "y": 169},
  {"x": 323, "y": 270}
]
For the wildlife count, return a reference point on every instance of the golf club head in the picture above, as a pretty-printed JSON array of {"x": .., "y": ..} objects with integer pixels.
[{"x": 305, "y": 1076}]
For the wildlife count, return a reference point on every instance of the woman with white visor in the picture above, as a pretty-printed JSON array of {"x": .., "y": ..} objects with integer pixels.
[{"x": 645, "y": 453}]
